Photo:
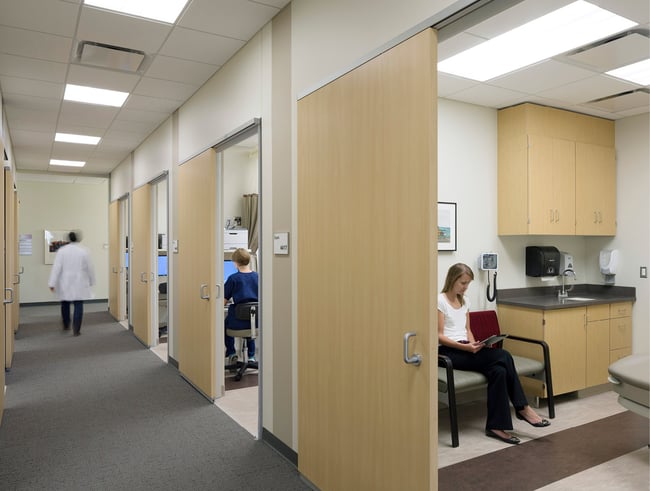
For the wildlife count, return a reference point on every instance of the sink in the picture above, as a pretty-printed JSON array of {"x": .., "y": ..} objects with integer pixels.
[{"x": 580, "y": 299}]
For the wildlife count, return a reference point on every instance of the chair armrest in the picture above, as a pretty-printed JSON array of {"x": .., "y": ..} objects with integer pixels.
[
  {"x": 445, "y": 362},
  {"x": 547, "y": 367}
]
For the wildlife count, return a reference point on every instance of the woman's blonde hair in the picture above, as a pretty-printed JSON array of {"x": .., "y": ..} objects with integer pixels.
[
  {"x": 241, "y": 257},
  {"x": 456, "y": 271}
]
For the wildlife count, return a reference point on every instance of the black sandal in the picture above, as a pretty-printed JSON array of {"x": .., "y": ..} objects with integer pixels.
[{"x": 541, "y": 424}]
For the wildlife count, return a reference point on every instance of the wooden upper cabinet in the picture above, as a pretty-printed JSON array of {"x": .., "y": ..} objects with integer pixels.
[
  {"x": 556, "y": 173},
  {"x": 595, "y": 190}
]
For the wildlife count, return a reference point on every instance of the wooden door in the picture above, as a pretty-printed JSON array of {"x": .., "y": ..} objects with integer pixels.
[
  {"x": 114, "y": 251},
  {"x": 197, "y": 293},
  {"x": 367, "y": 256},
  {"x": 142, "y": 278},
  {"x": 551, "y": 181},
  {"x": 9, "y": 266},
  {"x": 595, "y": 190},
  {"x": 2, "y": 317},
  {"x": 16, "y": 263}
]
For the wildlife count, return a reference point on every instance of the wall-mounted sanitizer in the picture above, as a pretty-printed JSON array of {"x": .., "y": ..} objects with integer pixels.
[
  {"x": 609, "y": 265},
  {"x": 489, "y": 261}
]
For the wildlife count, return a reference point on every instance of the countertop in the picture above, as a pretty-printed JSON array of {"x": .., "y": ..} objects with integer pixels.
[{"x": 545, "y": 297}]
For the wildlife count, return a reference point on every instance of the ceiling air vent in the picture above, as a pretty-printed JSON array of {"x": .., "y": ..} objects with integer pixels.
[
  {"x": 614, "y": 52},
  {"x": 111, "y": 57}
]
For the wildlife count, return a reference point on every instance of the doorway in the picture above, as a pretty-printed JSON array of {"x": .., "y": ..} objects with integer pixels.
[
  {"x": 160, "y": 324},
  {"x": 238, "y": 171}
]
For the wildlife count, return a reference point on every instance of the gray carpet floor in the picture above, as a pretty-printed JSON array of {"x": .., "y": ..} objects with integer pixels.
[{"x": 101, "y": 412}]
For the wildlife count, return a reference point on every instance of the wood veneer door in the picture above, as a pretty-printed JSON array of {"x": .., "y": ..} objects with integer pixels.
[
  {"x": 198, "y": 298},
  {"x": 9, "y": 266},
  {"x": 142, "y": 278},
  {"x": 2, "y": 317},
  {"x": 595, "y": 190},
  {"x": 114, "y": 251},
  {"x": 17, "y": 271},
  {"x": 367, "y": 261}
]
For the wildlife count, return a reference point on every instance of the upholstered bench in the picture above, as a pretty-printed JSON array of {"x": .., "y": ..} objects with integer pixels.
[
  {"x": 630, "y": 380},
  {"x": 452, "y": 382}
]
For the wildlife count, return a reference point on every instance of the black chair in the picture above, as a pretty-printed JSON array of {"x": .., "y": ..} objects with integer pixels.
[{"x": 245, "y": 311}]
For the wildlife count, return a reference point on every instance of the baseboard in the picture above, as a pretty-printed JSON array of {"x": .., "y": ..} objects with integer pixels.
[
  {"x": 279, "y": 446},
  {"x": 172, "y": 362}
]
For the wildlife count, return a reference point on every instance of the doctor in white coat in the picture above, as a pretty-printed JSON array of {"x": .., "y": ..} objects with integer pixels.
[{"x": 71, "y": 277}]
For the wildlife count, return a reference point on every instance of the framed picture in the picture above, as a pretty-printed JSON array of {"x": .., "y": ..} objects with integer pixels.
[
  {"x": 53, "y": 239},
  {"x": 446, "y": 226}
]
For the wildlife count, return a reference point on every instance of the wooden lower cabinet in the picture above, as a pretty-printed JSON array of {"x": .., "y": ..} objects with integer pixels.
[{"x": 583, "y": 341}]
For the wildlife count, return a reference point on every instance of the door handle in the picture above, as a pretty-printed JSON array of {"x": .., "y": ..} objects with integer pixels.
[
  {"x": 17, "y": 282},
  {"x": 218, "y": 286},
  {"x": 22, "y": 270},
  {"x": 143, "y": 277},
  {"x": 11, "y": 295},
  {"x": 416, "y": 359},
  {"x": 204, "y": 296}
]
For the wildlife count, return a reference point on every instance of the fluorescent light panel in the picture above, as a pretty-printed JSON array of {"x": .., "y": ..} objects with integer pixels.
[
  {"x": 638, "y": 72},
  {"x": 67, "y": 163},
  {"x": 567, "y": 28},
  {"x": 91, "y": 95},
  {"x": 82, "y": 139},
  {"x": 164, "y": 11}
]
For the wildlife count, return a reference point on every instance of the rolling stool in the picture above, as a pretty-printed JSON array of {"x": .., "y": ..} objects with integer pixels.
[{"x": 245, "y": 311}]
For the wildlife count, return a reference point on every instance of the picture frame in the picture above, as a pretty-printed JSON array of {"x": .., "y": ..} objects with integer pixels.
[
  {"x": 447, "y": 233},
  {"x": 53, "y": 240}
]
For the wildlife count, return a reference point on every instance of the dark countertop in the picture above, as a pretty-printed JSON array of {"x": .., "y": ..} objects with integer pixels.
[{"x": 545, "y": 297}]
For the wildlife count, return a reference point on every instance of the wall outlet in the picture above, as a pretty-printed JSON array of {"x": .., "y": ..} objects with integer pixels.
[{"x": 643, "y": 272}]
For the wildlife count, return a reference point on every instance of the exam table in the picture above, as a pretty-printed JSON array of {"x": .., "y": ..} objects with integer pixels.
[{"x": 629, "y": 378}]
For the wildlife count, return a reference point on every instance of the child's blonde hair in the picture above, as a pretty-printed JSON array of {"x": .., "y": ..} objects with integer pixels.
[{"x": 241, "y": 256}]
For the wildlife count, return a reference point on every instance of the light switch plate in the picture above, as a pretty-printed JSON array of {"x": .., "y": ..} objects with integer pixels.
[
  {"x": 643, "y": 271},
  {"x": 281, "y": 243}
]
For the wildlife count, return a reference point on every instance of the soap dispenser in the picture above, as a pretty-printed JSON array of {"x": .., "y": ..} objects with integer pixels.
[{"x": 609, "y": 265}]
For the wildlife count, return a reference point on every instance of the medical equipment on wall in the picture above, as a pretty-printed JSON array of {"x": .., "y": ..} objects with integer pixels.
[
  {"x": 489, "y": 262},
  {"x": 609, "y": 264}
]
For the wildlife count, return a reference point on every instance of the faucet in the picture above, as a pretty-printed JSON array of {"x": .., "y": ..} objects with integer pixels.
[{"x": 564, "y": 293}]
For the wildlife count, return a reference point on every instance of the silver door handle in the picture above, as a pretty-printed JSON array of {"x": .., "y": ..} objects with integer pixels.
[
  {"x": 11, "y": 295},
  {"x": 143, "y": 277},
  {"x": 204, "y": 296},
  {"x": 416, "y": 359},
  {"x": 22, "y": 270},
  {"x": 17, "y": 282},
  {"x": 218, "y": 286}
]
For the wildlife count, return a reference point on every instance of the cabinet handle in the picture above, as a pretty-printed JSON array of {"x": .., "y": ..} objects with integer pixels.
[
  {"x": 595, "y": 217},
  {"x": 557, "y": 216},
  {"x": 600, "y": 217},
  {"x": 551, "y": 215}
]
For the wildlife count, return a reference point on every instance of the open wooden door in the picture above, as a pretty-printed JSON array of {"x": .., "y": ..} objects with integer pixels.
[
  {"x": 11, "y": 273},
  {"x": 197, "y": 293},
  {"x": 16, "y": 262},
  {"x": 140, "y": 261},
  {"x": 2, "y": 317},
  {"x": 114, "y": 252},
  {"x": 367, "y": 260}
]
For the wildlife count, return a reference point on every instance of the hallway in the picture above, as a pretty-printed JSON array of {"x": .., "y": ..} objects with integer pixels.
[{"x": 100, "y": 412}]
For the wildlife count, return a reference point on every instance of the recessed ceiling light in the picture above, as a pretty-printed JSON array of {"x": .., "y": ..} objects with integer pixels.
[
  {"x": 570, "y": 27},
  {"x": 83, "y": 139},
  {"x": 638, "y": 72},
  {"x": 67, "y": 163},
  {"x": 166, "y": 11},
  {"x": 91, "y": 95}
]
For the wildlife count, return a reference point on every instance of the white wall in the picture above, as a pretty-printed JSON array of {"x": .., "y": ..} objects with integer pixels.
[
  {"x": 154, "y": 156},
  {"x": 58, "y": 206},
  {"x": 240, "y": 176},
  {"x": 331, "y": 37},
  {"x": 467, "y": 167},
  {"x": 122, "y": 178}
]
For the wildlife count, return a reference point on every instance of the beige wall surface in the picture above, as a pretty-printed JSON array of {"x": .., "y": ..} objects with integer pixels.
[{"x": 59, "y": 206}]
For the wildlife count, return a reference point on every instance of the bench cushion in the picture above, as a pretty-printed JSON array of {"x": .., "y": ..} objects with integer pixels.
[{"x": 464, "y": 380}]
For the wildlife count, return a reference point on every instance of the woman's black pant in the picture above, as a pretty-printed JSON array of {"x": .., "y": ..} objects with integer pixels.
[{"x": 503, "y": 382}]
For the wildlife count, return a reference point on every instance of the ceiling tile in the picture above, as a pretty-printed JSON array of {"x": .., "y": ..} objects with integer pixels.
[
  {"x": 34, "y": 44},
  {"x": 53, "y": 17},
  {"x": 231, "y": 18},
  {"x": 450, "y": 84},
  {"x": 36, "y": 88},
  {"x": 90, "y": 115},
  {"x": 22, "y": 67},
  {"x": 541, "y": 76},
  {"x": 485, "y": 95},
  {"x": 102, "y": 78},
  {"x": 200, "y": 46},
  {"x": 588, "y": 89},
  {"x": 624, "y": 102},
  {"x": 179, "y": 70},
  {"x": 615, "y": 54},
  {"x": 164, "y": 88},
  {"x": 146, "y": 103}
]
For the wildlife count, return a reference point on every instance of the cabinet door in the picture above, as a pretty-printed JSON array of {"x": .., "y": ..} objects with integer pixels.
[
  {"x": 595, "y": 190},
  {"x": 620, "y": 332},
  {"x": 597, "y": 352},
  {"x": 565, "y": 333},
  {"x": 551, "y": 186}
]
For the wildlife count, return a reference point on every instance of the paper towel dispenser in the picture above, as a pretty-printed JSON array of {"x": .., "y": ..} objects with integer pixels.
[{"x": 542, "y": 261}]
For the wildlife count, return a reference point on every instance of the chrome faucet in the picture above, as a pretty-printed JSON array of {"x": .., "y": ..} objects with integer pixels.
[{"x": 564, "y": 293}]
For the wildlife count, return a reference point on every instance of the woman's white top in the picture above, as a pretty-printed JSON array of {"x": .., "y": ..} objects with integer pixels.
[{"x": 455, "y": 319}]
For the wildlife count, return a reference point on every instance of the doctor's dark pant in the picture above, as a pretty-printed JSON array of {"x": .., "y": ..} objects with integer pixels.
[{"x": 77, "y": 316}]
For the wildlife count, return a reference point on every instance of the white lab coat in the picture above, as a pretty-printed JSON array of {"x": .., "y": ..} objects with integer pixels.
[{"x": 72, "y": 273}]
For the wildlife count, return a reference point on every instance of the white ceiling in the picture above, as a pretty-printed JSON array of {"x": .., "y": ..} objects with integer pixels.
[
  {"x": 38, "y": 56},
  {"x": 572, "y": 81}
]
